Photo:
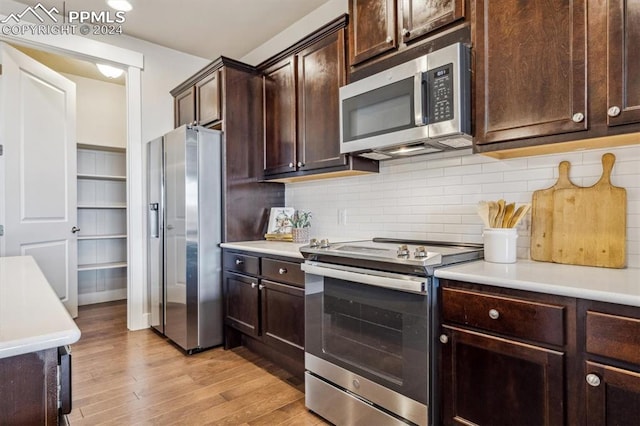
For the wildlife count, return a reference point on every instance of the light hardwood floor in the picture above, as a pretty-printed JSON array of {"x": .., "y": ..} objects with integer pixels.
[{"x": 123, "y": 377}]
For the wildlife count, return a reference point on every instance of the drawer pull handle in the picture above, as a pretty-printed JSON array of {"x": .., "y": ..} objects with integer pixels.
[
  {"x": 239, "y": 262},
  {"x": 254, "y": 285},
  {"x": 593, "y": 380},
  {"x": 494, "y": 314},
  {"x": 282, "y": 271},
  {"x": 261, "y": 286},
  {"x": 444, "y": 338}
]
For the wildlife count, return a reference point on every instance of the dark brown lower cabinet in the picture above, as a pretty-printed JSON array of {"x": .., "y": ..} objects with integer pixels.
[
  {"x": 29, "y": 389},
  {"x": 513, "y": 357},
  {"x": 241, "y": 303},
  {"x": 489, "y": 380},
  {"x": 264, "y": 307},
  {"x": 613, "y": 395},
  {"x": 282, "y": 317}
]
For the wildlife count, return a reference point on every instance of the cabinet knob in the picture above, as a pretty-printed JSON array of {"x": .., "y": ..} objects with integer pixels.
[
  {"x": 444, "y": 338},
  {"x": 239, "y": 261},
  {"x": 261, "y": 286},
  {"x": 614, "y": 111},
  {"x": 291, "y": 165},
  {"x": 406, "y": 32},
  {"x": 494, "y": 314},
  {"x": 282, "y": 271},
  {"x": 593, "y": 380},
  {"x": 75, "y": 229},
  {"x": 389, "y": 39},
  {"x": 578, "y": 117},
  {"x": 254, "y": 285},
  {"x": 300, "y": 164}
]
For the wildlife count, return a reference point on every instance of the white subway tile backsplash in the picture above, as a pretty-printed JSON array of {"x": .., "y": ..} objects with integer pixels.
[{"x": 435, "y": 196}]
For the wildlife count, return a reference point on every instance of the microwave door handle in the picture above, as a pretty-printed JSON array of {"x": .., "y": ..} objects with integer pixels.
[{"x": 421, "y": 98}]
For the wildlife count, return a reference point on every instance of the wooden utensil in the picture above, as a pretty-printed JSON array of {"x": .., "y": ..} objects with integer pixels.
[
  {"x": 518, "y": 215},
  {"x": 542, "y": 215},
  {"x": 493, "y": 213},
  {"x": 508, "y": 214},
  {"x": 483, "y": 212},
  {"x": 500, "y": 215},
  {"x": 589, "y": 224}
]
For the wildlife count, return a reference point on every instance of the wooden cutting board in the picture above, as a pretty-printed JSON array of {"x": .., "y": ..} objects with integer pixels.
[
  {"x": 542, "y": 215},
  {"x": 589, "y": 224}
]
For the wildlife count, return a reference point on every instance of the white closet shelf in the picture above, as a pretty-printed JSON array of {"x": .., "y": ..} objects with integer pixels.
[
  {"x": 101, "y": 177},
  {"x": 102, "y": 206},
  {"x": 96, "y": 266},
  {"x": 102, "y": 237}
]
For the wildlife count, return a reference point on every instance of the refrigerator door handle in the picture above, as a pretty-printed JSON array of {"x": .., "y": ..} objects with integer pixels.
[{"x": 154, "y": 219}]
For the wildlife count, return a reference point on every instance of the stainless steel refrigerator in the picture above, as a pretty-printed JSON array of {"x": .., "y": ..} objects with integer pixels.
[{"x": 184, "y": 218}]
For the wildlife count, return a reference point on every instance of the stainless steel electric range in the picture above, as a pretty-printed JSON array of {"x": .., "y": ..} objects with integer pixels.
[{"x": 370, "y": 314}]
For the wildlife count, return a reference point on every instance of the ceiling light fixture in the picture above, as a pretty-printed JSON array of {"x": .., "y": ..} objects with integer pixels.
[
  {"x": 109, "y": 71},
  {"x": 122, "y": 5}
]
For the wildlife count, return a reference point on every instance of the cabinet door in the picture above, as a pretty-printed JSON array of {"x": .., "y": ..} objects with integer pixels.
[
  {"x": 530, "y": 68},
  {"x": 208, "y": 103},
  {"x": 613, "y": 395},
  {"x": 321, "y": 72},
  {"x": 419, "y": 17},
  {"x": 241, "y": 300},
  {"x": 185, "y": 107},
  {"x": 372, "y": 29},
  {"x": 280, "y": 117},
  {"x": 624, "y": 58},
  {"x": 493, "y": 381},
  {"x": 283, "y": 317}
]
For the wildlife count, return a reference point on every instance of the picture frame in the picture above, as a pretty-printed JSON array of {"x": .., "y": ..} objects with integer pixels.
[{"x": 279, "y": 221}]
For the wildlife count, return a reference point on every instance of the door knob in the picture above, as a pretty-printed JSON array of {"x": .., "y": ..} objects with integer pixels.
[
  {"x": 75, "y": 229},
  {"x": 614, "y": 111},
  {"x": 578, "y": 117},
  {"x": 593, "y": 380}
]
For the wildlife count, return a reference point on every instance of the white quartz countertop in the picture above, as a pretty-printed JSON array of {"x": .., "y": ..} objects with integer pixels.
[
  {"x": 278, "y": 248},
  {"x": 620, "y": 286},
  {"x": 32, "y": 317}
]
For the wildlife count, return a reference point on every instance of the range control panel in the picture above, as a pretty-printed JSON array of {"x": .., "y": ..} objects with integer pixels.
[{"x": 440, "y": 93}]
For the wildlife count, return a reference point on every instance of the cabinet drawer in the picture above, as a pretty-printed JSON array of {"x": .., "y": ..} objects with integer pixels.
[
  {"x": 513, "y": 317},
  {"x": 613, "y": 336},
  {"x": 280, "y": 270},
  {"x": 242, "y": 263}
]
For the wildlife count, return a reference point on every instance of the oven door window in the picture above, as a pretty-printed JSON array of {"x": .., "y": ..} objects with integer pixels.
[
  {"x": 378, "y": 333},
  {"x": 379, "y": 111}
]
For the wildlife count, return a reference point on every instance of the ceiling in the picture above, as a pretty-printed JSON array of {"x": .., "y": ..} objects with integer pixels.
[{"x": 204, "y": 28}]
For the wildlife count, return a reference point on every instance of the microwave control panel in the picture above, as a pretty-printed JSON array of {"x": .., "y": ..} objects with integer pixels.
[{"x": 440, "y": 93}]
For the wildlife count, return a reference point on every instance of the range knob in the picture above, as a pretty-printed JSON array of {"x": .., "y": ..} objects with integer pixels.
[
  {"x": 420, "y": 252},
  {"x": 314, "y": 243},
  {"x": 324, "y": 243},
  {"x": 403, "y": 251}
]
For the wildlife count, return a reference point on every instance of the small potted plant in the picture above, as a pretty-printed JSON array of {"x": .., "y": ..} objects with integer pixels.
[{"x": 300, "y": 223}]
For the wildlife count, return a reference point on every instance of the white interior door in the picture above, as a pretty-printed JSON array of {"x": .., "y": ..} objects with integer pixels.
[{"x": 38, "y": 130}]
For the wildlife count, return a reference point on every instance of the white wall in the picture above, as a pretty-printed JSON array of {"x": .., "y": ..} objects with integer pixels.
[
  {"x": 101, "y": 112},
  {"x": 305, "y": 26},
  {"x": 435, "y": 197},
  {"x": 164, "y": 69}
]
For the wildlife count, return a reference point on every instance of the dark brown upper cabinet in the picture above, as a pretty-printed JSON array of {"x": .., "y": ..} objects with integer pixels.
[
  {"x": 623, "y": 59},
  {"x": 381, "y": 26},
  {"x": 208, "y": 103},
  {"x": 280, "y": 117},
  {"x": 184, "y": 107},
  {"x": 199, "y": 104},
  {"x": 301, "y": 109},
  {"x": 549, "y": 73},
  {"x": 530, "y": 68}
]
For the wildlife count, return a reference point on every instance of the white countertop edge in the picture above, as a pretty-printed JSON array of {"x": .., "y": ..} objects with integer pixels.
[
  {"x": 276, "y": 248},
  {"x": 39, "y": 343},
  {"x": 471, "y": 273}
]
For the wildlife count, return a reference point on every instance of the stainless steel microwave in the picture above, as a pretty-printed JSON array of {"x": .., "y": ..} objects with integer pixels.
[{"x": 418, "y": 107}]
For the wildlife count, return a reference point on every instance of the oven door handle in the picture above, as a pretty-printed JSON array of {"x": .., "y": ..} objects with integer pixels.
[{"x": 408, "y": 284}]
